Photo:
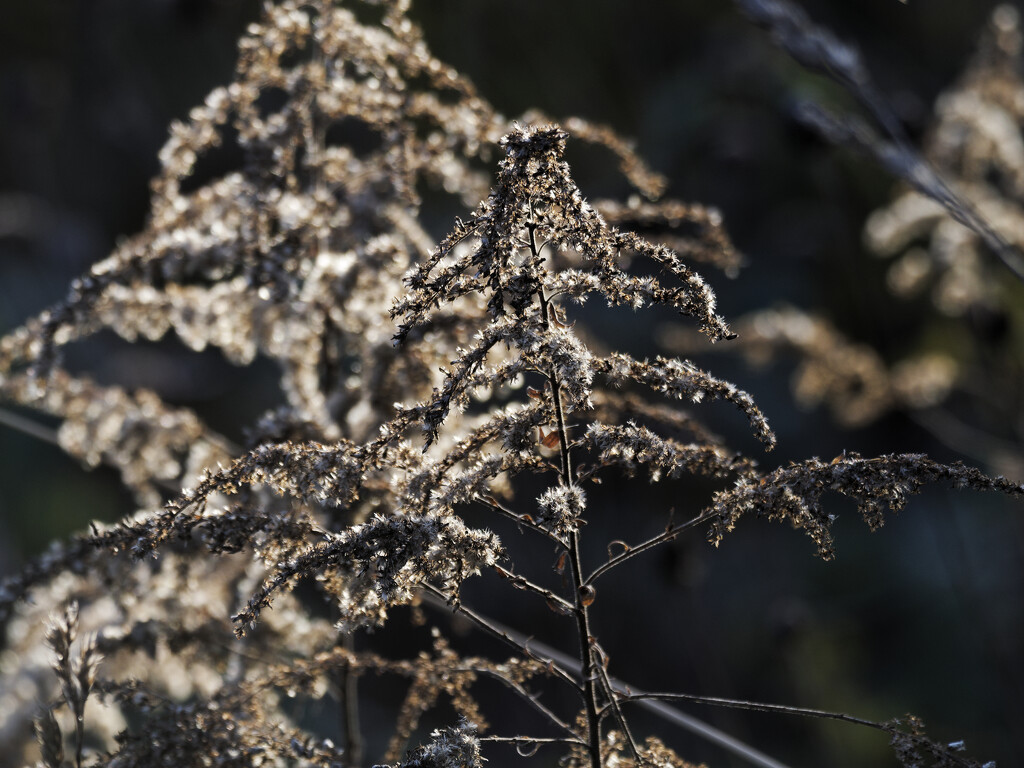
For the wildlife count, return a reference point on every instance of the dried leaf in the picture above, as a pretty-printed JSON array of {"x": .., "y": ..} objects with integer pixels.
[{"x": 550, "y": 440}]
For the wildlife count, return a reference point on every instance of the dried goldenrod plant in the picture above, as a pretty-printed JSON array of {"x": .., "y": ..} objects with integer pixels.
[{"x": 419, "y": 381}]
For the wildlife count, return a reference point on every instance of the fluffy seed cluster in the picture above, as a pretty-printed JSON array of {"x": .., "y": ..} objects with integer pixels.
[{"x": 561, "y": 508}]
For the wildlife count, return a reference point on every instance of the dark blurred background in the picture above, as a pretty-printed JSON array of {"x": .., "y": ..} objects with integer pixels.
[{"x": 925, "y": 617}]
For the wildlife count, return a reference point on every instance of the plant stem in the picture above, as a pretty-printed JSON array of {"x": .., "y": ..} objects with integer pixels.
[
  {"x": 79, "y": 732},
  {"x": 613, "y": 703},
  {"x": 350, "y": 709},
  {"x": 528, "y": 740},
  {"x": 581, "y": 613},
  {"x": 560, "y": 662},
  {"x": 586, "y": 655},
  {"x": 502, "y": 633},
  {"x": 756, "y": 706}
]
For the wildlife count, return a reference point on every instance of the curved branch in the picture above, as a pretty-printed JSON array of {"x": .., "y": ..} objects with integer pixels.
[{"x": 667, "y": 535}]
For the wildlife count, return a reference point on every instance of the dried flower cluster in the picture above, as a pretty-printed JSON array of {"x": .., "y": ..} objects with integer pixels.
[{"x": 417, "y": 381}]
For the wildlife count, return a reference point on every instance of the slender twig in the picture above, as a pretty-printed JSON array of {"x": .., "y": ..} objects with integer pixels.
[
  {"x": 530, "y": 740},
  {"x": 817, "y": 49},
  {"x": 519, "y": 519},
  {"x": 479, "y": 667},
  {"x": 962, "y": 437},
  {"x": 28, "y": 427},
  {"x": 79, "y": 712},
  {"x": 48, "y": 435},
  {"x": 512, "y": 638},
  {"x": 582, "y": 615},
  {"x": 940, "y": 190},
  {"x": 520, "y": 582},
  {"x": 754, "y": 706},
  {"x": 531, "y": 699},
  {"x": 349, "y": 685},
  {"x": 667, "y": 535},
  {"x": 613, "y": 704},
  {"x": 563, "y": 661}
]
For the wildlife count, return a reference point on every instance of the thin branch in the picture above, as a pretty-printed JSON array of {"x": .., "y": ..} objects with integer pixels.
[
  {"x": 517, "y": 641},
  {"x": 667, "y": 535},
  {"x": 48, "y": 435},
  {"x": 962, "y": 437},
  {"x": 520, "y": 582},
  {"x": 587, "y": 661},
  {"x": 754, "y": 706},
  {"x": 519, "y": 519},
  {"x": 530, "y": 740},
  {"x": 613, "y": 703},
  {"x": 532, "y": 700},
  {"x": 891, "y": 728},
  {"x": 28, "y": 427},
  {"x": 903, "y": 160},
  {"x": 562, "y": 661},
  {"x": 817, "y": 49},
  {"x": 349, "y": 685}
]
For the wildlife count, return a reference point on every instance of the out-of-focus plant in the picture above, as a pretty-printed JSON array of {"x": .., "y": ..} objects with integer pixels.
[{"x": 961, "y": 203}]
